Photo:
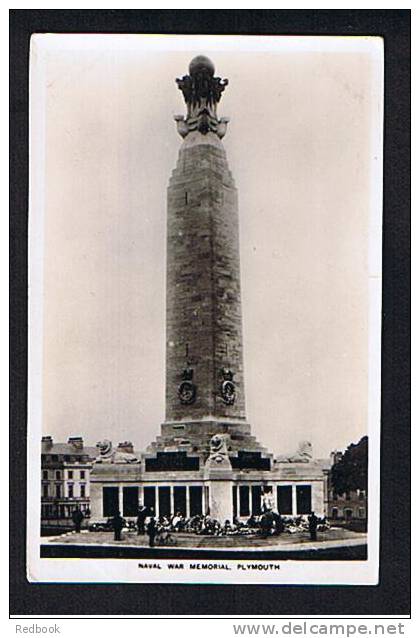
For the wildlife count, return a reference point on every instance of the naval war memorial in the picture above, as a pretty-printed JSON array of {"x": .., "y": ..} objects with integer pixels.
[{"x": 206, "y": 458}]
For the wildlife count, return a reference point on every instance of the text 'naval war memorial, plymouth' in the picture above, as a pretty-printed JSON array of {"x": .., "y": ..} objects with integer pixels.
[{"x": 205, "y": 459}]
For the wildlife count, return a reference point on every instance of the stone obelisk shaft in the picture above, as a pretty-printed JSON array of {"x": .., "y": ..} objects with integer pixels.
[
  {"x": 203, "y": 321},
  {"x": 204, "y": 359}
]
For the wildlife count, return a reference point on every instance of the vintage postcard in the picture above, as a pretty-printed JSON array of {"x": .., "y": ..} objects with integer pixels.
[{"x": 205, "y": 309}]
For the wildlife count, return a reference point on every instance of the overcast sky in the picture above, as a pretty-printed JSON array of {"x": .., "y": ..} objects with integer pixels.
[{"x": 299, "y": 145}]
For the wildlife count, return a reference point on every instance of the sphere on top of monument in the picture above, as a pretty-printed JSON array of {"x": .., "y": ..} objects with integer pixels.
[
  {"x": 202, "y": 92},
  {"x": 201, "y": 64}
]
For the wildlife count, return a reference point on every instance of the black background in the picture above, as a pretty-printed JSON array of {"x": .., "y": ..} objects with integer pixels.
[{"x": 391, "y": 596}]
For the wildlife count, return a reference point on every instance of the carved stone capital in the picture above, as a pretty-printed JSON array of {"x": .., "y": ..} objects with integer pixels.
[{"x": 202, "y": 92}]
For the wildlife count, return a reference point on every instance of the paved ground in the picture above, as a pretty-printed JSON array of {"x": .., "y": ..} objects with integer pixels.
[{"x": 332, "y": 538}]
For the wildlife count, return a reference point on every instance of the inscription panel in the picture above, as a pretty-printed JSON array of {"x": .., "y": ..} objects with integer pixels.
[{"x": 172, "y": 462}]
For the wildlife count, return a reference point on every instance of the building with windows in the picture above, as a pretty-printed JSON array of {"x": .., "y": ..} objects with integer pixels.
[
  {"x": 348, "y": 507},
  {"x": 206, "y": 459},
  {"x": 65, "y": 478}
]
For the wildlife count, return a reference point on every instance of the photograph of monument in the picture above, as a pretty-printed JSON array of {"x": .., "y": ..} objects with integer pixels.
[{"x": 229, "y": 469}]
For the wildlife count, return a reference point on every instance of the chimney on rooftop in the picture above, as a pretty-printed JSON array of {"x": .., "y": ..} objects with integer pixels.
[
  {"x": 46, "y": 443},
  {"x": 76, "y": 442},
  {"x": 336, "y": 456}
]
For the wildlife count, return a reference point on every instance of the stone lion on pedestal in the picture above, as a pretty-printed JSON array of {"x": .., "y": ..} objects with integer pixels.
[
  {"x": 219, "y": 450},
  {"x": 302, "y": 455}
]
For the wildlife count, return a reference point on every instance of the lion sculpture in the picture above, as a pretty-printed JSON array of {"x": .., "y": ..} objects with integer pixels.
[
  {"x": 302, "y": 455},
  {"x": 219, "y": 448}
]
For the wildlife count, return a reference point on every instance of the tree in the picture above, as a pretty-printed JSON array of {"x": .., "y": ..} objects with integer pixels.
[{"x": 350, "y": 473}]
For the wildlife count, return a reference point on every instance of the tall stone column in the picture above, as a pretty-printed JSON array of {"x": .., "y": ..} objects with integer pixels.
[
  {"x": 205, "y": 391},
  {"x": 204, "y": 361}
]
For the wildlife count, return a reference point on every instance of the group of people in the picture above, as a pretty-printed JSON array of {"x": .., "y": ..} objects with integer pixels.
[
  {"x": 269, "y": 523},
  {"x": 145, "y": 523}
]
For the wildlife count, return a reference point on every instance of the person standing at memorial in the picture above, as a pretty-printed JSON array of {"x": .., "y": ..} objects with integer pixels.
[
  {"x": 278, "y": 523},
  {"x": 151, "y": 531},
  {"x": 313, "y": 525},
  {"x": 117, "y": 525},
  {"x": 77, "y": 518},
  {"x": 141, "y": 518},
  {"x": 266, "y": 524}
]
